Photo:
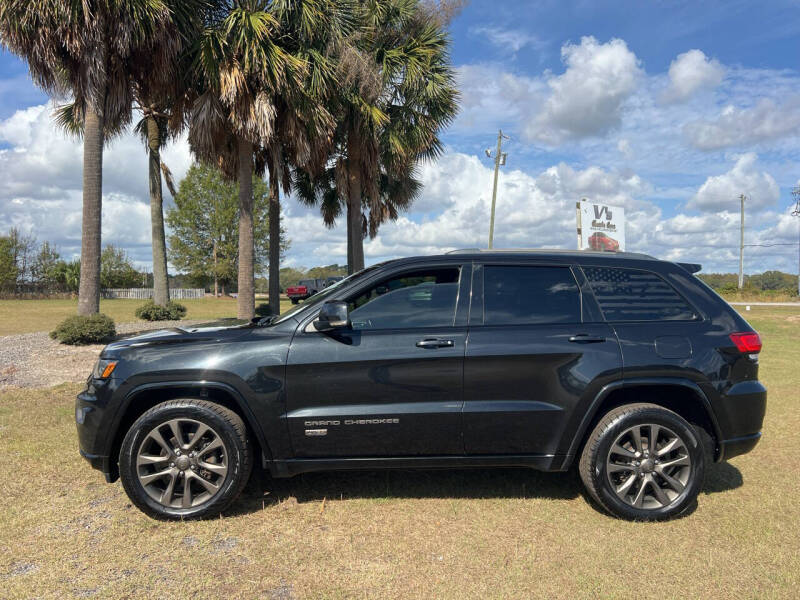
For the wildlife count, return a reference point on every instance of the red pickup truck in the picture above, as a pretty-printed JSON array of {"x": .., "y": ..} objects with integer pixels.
[{"x": 305, "y": 288}]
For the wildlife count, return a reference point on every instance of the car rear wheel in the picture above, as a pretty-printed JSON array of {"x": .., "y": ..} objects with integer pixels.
[
  {"x": 185, "y": 459},
  {"x": 643, "y": 462}
]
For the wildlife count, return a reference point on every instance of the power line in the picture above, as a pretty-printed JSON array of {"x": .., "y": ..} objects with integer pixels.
[{"x": 771, "y": 245}]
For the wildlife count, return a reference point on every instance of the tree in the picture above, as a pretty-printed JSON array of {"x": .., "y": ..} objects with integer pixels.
[
  {"x": 239, "y": 67},
  {"x": 67, "y": 275},
  {"x": 22, "y": 251},
  {"x": 89, "y": 50},
  {"x": 303, "y": 124},
  {"x": 396, "y": 92},
  {"x": 43, "y": 270},
  {"x": 255, "y": 107},
  {"x": 204, "y": 220},
  {"x": 8, "y": 265},
  {"x": 154, "y": 131},
  {"x": 117, "y": 270}
]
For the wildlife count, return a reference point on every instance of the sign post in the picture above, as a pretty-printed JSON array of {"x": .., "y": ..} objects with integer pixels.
[{"x": 600, "y": 227}]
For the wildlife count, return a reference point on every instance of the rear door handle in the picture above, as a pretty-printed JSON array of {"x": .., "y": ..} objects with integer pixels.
[
  {"x": 435, "y": 343},
  {"x": 585, "y": 338}
]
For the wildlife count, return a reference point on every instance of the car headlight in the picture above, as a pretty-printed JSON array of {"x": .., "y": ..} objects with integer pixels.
[{"x": 104, "y": 368}]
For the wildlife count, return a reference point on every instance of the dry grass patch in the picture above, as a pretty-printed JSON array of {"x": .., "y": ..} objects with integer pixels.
[
  {"x": 25, "y": 316},
  {"x": 405, "y": 534}
]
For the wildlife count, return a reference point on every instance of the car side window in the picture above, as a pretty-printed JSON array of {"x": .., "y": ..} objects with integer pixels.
[
  {"x": 635, "y": 295},
  {"x": 424, "y": 298},
  {"x": 530, "y": 295}
]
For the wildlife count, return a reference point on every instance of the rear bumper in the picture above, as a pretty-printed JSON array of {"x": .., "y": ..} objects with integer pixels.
[
  {"x": 736, "y": 446},
  {"x": 741, "y": 414}
]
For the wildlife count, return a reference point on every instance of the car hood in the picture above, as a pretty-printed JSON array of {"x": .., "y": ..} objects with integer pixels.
[{"x": 216, "y": 331}]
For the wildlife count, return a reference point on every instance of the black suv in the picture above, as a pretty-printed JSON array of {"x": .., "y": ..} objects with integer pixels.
[{"x": 628, "y": 366}]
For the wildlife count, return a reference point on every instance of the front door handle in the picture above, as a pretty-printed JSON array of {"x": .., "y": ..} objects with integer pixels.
[
  {"x": 585, "y": 338},
  {"x": 435, "y": 343}
]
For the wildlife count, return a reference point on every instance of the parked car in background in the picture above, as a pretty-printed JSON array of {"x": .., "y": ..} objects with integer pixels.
[
  {"x": 332, "y": 279},
  {"x": 305, "y": 288},
  {"x": 603, "y": 242},
  {"x": 629, "y": 367}
]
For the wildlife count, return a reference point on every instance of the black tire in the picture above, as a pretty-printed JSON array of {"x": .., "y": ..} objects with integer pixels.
[
  {"x": 294, "y": 300},
  {"x": 602, "y": 481},
  {"x": 223, "y": 423}
]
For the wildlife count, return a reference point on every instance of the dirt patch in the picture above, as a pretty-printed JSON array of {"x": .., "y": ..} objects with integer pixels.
[{"x": 35, "y": 360}]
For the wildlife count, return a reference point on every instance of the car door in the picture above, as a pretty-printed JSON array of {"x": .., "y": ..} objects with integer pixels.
[
  {"x": 536, "y": 351},
  {"x": 391, "y": 384}
]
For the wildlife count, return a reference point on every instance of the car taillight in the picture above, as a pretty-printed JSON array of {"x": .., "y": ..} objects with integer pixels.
[{"x": 749, "y": 342}]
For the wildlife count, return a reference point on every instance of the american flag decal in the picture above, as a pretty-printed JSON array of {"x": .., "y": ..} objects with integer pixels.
[{"x": 633, "y": 295}]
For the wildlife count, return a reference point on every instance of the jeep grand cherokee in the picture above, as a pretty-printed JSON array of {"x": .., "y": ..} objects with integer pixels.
[{"x": 628, "y": 366}]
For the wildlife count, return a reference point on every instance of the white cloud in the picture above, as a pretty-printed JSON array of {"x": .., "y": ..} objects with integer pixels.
[
  {"x": 492, "y": 97},
  {"x": 624, "y": 147},
  {"x": 721, "y": 192},
  {"x": 41, "y": 184},
  {"x": 509, "y": 41},
  {"x": 587, "y": 99},
  {"x": 767, "y": 120},
  {"x": 691, "y": 72}
]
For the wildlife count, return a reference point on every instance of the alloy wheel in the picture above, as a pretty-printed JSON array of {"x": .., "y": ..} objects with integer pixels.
[
  {"x": 182, "y": 463},
  {"x": 648, "y": 466}
]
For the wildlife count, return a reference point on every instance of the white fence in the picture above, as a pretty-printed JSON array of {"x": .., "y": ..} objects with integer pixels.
[{"x": 147, "y": 293}]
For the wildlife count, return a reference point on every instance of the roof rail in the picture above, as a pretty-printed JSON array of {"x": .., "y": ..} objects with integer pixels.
[{"x": 549, "y": 251}]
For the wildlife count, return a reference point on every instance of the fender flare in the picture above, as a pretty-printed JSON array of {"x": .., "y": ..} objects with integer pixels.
[
  {"x": 604, "y": 392},
  {"x": 245, "y": 411}
]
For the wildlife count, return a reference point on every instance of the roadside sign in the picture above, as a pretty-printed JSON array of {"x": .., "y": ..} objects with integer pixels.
[{"x": 600, "y": 227}]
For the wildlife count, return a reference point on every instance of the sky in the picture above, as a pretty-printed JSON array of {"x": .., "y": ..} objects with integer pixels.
[{"x": 670, "y": 109}]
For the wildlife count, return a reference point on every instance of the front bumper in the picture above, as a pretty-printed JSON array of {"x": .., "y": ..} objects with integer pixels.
[
  {"x": 103, "y": 464},
  {"x": 93, "y": 420}
]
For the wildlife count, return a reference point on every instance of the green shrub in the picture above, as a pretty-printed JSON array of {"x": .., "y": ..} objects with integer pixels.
[
  {"x": 263, "y": 310},
  {"x": 80, "y": 329},
  {"x": 150, "y": 311}
]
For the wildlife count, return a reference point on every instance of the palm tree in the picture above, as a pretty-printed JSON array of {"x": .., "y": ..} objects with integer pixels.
[
  {"x": 255, "y": 110},
  {"x": 397, "y": 91},
  {"x": 161, "y": 99},
  {"x": 239, "y": 69},
  {"x": 302, "y": 138},
  {"x": 84, "y": 49},
  {"x": 154, "y": 131}
]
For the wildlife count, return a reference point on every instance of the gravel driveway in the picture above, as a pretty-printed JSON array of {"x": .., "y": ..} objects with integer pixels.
[{"x": 35, "y": 360}]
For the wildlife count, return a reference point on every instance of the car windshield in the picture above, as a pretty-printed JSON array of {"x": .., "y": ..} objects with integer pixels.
[{"x": 320, "y": 297}]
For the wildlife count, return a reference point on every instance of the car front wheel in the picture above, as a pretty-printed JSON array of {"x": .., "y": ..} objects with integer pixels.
[
  {"x": 185, "y": 459},
  {"x": 643, "y": 462}
]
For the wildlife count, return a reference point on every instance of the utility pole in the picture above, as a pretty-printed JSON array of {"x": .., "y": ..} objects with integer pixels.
[
  {"x": 499, "y": 160},
  {"x": 741, "y": 245},
  {"x": 796, "y": 213}
]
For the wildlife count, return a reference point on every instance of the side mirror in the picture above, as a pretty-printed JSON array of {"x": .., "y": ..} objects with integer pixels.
[{"x": 332, "y": 316}]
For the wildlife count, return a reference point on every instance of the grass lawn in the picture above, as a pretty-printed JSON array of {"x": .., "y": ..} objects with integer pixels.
[
  {"x": 404, "y": 534},
  {"x": 24, "y": 316}
]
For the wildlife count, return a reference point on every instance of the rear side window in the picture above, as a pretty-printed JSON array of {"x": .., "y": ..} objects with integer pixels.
[
  {"x": 529, "y": 295},
  {"x": 634, "y": 295}
]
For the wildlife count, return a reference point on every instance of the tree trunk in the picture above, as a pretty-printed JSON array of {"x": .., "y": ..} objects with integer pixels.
[
  {"x": 246, "y": 299},
  {"x": 160, "y": 281},
  {"x": 216, "y": 278},
  {"x": 349, "y": 242},
  {"x": 355, "y": 237},
  {"x": 274, "y": 245},
  {"x": 89, "y": 290}
]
